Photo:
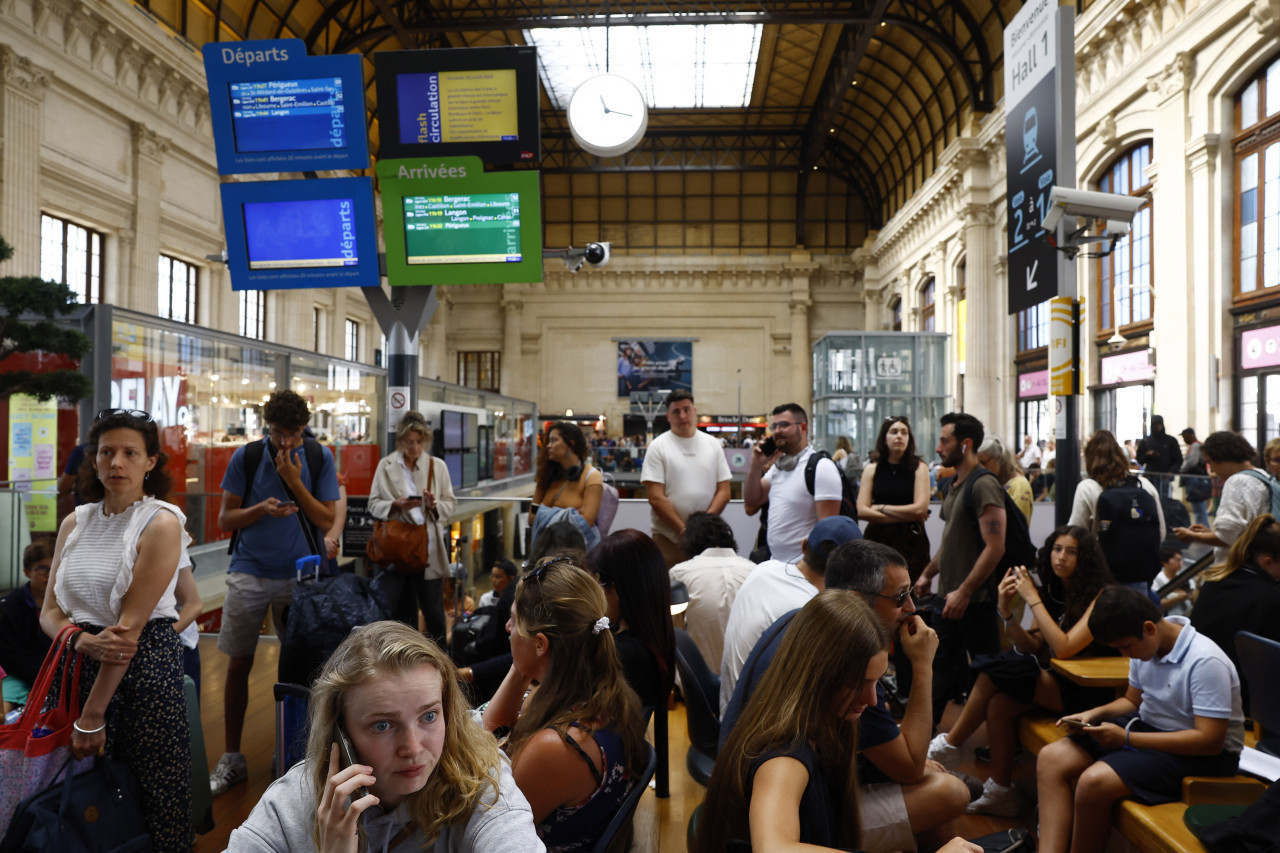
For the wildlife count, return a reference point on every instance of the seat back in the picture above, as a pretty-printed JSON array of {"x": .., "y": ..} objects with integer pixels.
[
  {"x": 1259, "y": 662},
  {"x": 701, "y": 695},
  {"x": 292, "y": 721},
  {"x": 628, "y": 807}
]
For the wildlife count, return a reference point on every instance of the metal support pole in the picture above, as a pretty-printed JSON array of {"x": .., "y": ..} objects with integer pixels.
[{"x": 401, "y": 317}]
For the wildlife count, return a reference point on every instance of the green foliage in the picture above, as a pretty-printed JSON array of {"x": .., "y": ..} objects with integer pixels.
[{"x": 27, "y": 295}]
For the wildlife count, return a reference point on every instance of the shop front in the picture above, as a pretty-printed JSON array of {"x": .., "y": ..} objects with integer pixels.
[
  {"x": 1123, "y": 399},
  {"x": 1257, "y": 414},
  {"x": 1035, "y": 418}
]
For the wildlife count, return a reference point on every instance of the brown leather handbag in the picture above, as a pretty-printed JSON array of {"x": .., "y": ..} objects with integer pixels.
[{"x": 402, "y": 544}]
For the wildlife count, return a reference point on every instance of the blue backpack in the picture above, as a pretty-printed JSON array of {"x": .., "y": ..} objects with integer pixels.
[{"x": 1272, "y": 484}]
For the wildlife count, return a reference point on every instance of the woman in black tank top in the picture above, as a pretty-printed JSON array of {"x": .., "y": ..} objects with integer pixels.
[{"x": 894, "y": 498}]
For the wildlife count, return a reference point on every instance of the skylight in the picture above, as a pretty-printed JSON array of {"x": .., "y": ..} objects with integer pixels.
[{"x": 677, "y": 65}]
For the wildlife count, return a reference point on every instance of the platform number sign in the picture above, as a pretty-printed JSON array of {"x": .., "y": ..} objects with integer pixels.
[{"x": 1031, "y": 149}]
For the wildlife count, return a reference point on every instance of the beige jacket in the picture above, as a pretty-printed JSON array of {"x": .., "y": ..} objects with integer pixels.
[{"x": 388, "y": 486}]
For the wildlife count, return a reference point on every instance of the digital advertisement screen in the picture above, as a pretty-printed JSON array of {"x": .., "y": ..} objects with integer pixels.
[
  {"x": 459, "y": 106},
  {"x": 286, "y": 115},
  {"x": 446, "y": 102},
  {"x": 294, "y": 234},
  {"x": 462, "y": 229},
  {"x": 300, "y": 234},
  {"x": 452, "y": 430}
]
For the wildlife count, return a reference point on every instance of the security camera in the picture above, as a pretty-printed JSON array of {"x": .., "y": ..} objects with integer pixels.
[
  {"x": 1117, "y": 209},
  {"x": 598, "y": 254},
  {"x": 574, "y": 264}
]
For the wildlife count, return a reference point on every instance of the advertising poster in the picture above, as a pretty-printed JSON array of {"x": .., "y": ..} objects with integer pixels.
[
  {"x": 649, "y": 365},
  {"x": 33, "y": 453}
]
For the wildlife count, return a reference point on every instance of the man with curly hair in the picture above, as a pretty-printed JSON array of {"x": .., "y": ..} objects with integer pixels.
[{"x": 260, "y": 500}]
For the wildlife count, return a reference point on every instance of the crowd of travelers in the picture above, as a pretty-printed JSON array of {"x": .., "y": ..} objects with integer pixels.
[{"x": 841, "y": 645}]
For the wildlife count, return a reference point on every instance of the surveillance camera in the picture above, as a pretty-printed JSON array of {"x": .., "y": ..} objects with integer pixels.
[
  {"x": 574, "y": 264},
  {"x": 1117, "y": 209},
  {"x": 598, "y": 254}
]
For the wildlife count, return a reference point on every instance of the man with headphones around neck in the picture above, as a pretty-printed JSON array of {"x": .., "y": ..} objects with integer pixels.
[{"x": 965, "y": 558}]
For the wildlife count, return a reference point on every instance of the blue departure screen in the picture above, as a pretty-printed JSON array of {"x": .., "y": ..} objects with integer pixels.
[
  {"x": 288, "y": 115},
  {"x": 301, "y": 234}
]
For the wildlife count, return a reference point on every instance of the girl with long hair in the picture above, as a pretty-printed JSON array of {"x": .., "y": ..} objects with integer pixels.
[
  {"x": 998, "y": 458},
  {"x": 567, "y": 487},
  {"x": 893, "y": 499},
  {"x": 576, "y": 738},
  {"x": 426, "y": 775},
  {"x": 631, "y": 570},
  {"x": 1072, "y": 571}
]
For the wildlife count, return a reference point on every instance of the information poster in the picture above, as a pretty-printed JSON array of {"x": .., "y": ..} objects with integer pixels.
[
  {"x": 33, "y": 453},
  {"x": 650, "y": 365},
  {"x": 459, "y": 106}
]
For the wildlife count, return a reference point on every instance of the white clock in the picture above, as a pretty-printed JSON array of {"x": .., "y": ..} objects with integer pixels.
[{"x": 608, "y": 115}]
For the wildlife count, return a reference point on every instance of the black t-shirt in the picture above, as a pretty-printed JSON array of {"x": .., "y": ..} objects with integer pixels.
[
  {"x": 640, "y": 667},
  {"x": 1248, "y": 599},
  {"x": 894, "y": 485}
]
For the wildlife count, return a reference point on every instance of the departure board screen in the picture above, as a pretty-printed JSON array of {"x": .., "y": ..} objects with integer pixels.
[
  {"x": 462, "y": 229},
  {"x": 458, "y": 106},
  {"x": 301, "y": 234},
  {"x": 288, "y": 115}
]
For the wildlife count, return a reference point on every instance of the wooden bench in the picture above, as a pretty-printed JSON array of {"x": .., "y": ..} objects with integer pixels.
[{"x": 1153, "y": 829}]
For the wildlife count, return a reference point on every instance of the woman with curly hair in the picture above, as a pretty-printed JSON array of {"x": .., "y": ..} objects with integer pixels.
[
  {"x": 427, "y": 776},
  {"x": 576, "y": 738},
  {"x": 1072, "y": 571},
  {"x": 788, "y": 773},
  {"x": 1107, "y": 466},
  {"x": 633, "y": 574},
  {"x": 567, "y": 487}
]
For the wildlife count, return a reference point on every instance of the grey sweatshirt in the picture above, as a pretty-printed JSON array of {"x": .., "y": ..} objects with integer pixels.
[{"x": 283, "y": 821}]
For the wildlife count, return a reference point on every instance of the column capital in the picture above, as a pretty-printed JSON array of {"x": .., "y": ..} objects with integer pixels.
[
  {"x": 147, "y": 142},
  {"x": 1201, "y": 151},
  {"x": 20, "y": 73},
  {"x": 973, "y": 214},
  {"x": 1266, "y": 15},
  {"x": 1175, "y": 79}
]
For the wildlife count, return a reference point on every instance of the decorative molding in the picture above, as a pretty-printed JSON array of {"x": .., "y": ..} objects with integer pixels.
[
  {"x": 147, "y": 142},
  {"x": 976, "y": 215},
  {"x": 1202, "y": 151},
  {"x": 1107, "y": 130},
  {"x": 22, "y": 74},
  {"x": 1175, "y": 78},
  {"x": 1266, "y": 15}
]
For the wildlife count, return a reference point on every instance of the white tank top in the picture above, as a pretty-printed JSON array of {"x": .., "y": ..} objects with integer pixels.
[{"x": 98, "y": 558}]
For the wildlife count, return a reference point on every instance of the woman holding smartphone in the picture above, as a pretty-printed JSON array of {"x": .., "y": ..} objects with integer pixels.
[
  {"x": 419, "y": 772},
  {"x": 412, "y": 485}
]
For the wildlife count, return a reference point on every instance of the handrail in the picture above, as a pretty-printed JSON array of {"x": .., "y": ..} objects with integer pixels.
[{"x": 1183, "y": 578}]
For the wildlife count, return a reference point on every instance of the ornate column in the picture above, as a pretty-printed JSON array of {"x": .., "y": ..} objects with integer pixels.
[
  {"x": 984, "y": 309},
  {"x": 512, "y": 359},
  {"x": 22, "y": 88},
  {"x": 435, "y": 343},
  {"x": 1204, "y": 284},
  {"x": 141, "y": 283},
  {"x": 800, "y": 385},
  {"x": 1173, "y": 240}
]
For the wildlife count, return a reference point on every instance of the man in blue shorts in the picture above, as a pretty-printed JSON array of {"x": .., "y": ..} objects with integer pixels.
[
  {"x": 1181, "y": 716},
  {"x": 902, "y": 794},
  {"x": 279, "y": 515}
]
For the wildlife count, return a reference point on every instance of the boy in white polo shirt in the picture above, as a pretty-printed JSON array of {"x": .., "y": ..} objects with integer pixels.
[{"x": 1180, "y": 717}]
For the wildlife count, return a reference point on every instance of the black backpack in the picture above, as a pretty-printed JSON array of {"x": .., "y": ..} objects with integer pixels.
[
  {"x": 1018, "y": 550},
  {"x": 1129, "y": 531},
  {"x": 848, "y": 485},
  {"x": 314, "y": 454}
]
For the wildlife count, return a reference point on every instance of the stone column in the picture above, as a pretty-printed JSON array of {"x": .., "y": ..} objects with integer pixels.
[
  {"x": 1180, "y": 367},
  {"x": 22, "y": 88},
  {"x": 141, "y": 289},
  {"x": 1204, "y": 283},
  {"x": 434, "y": 342},
  {"x": 800, "y": 388},
  {"x": 512, "y": 359},
  {"x": 982, "y": 387}
]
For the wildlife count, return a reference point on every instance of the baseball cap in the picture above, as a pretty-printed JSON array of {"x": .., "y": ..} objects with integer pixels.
[
  {"x": 827, "y": 535},
  {"x": 1188, "y": 431}
]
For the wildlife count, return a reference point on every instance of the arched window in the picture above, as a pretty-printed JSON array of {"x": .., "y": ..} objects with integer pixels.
[
  {"x": 1257, "y": 213},
  {"x": 1124, "y": 276},
  {"x": 927, "y": 296}
]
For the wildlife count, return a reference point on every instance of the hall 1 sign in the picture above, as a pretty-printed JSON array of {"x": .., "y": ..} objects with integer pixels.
[{"x": 1039, "y": 143}]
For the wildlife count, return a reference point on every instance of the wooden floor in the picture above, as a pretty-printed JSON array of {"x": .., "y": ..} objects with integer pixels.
[{"x": 660, "y": 824}]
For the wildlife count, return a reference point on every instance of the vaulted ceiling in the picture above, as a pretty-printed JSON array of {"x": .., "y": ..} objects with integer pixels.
[{"x": 863, "y": 94}]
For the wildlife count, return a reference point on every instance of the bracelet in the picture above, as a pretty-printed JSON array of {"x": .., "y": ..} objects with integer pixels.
[
  {"x": 76, "y": 726},
  {"x": 75, "y": 638},
  {"x": 1007, "y": 619},
  {"x": 1034, "y": 603}
]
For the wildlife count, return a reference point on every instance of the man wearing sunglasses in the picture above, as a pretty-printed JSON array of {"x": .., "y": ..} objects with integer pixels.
[
  {"x": 906, "y": 794},
  {"x": 793, "y": 508},
  {"x": 279, "y": 514}
]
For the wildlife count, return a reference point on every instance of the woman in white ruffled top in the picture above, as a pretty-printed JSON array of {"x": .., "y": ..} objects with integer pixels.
[{"x": 115, "y": 567}]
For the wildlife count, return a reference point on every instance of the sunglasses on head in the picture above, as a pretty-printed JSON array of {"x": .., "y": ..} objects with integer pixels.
[
  {"x": 133, "y": 413},
  {"x": 538, "y": 573}
]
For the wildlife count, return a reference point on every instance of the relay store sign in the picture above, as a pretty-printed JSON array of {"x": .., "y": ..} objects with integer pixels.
[
  {"x": 1034, "y": 384},
  {"x": 1127, "y": 367},
  {"x": 166, "y": 398},
  {"x": 1260, "y": 348}
]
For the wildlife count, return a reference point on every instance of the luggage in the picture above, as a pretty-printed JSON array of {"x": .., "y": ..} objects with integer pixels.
[
  {"x": 292, "y": 727},
  {"x": 1018, "y": 550},
  {"x": 97, "y": 811},
  {"x": 1129, "y": 531},
  {"x": 201, "y": 796},
  {"x": 321, "y": 615}
]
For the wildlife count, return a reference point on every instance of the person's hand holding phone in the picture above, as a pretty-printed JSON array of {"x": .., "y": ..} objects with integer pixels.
[
  {"x": 1026, "y": 585},
  {"x": 337, "y": 822},
  {"x": 277, "y": 508}
]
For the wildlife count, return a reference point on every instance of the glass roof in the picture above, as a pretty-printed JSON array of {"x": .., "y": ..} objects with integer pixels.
[{"x": 675, "y": 65}]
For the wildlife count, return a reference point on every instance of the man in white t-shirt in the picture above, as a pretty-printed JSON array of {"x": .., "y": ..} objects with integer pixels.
[
  {"x": 793, "y": 508},
  {"x": 1030, "y": 453},
  {"x": 684, "y": 472},
  {"x": 712, "y": 577},
  {"x": 774, "y": 588}
]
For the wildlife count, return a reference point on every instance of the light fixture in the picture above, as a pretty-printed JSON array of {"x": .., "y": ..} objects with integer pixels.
[
  {"x": 271, "y": 384},
  {"x": 244, "y": 381},
  {"x": 1117, "y": 338},
  {"x": 213, "y": 377},
  {"x": 568, "y": 413}
]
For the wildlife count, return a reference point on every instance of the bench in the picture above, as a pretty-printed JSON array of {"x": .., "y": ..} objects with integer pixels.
[{"x": 1154, "y": 829}]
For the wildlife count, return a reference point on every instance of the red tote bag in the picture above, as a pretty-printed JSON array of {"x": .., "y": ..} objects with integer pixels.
[{"x": 33, "y": 749}]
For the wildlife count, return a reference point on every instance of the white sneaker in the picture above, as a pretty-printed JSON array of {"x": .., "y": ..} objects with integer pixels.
[
  {"x": 231, "y": 770},
  {"x": 996, "y": 800},
  {"x": 944, "y": 753}
]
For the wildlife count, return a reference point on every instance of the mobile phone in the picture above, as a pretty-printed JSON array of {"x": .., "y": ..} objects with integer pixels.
[
  {"x": 286, "y": 504},
  {"x": 347, "y": 756},
  {"x": 414, "y": 498},
  {"x": 769, "y": 447}
]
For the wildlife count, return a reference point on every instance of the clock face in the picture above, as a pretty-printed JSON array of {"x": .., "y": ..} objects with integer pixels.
[{"x": 608, "y": 115}]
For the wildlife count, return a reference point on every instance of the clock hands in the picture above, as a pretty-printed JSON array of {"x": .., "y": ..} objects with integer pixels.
[{"x": 608, "y": 111}]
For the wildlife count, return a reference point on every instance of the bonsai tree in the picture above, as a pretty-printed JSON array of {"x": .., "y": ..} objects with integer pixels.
[{"x": 30, "y": 295}]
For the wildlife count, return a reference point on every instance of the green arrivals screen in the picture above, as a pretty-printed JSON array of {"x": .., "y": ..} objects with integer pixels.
[{"x": 462, "y": 229}]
